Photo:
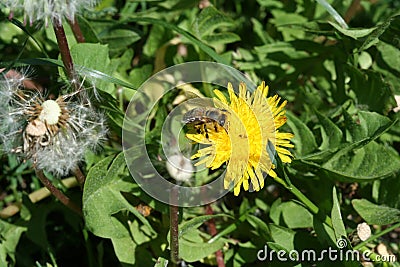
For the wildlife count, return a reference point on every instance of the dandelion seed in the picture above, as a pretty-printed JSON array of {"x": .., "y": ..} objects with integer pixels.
[
  {"x": 47, "y": 10},
  {"x": 54, "y": 134},
  {"x": 252, "y": 127}
]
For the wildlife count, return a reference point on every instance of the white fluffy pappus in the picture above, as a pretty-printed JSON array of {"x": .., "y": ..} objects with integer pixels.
[
  {"x": 47, "y": 10},
  {"x": 54, "y": 134}
]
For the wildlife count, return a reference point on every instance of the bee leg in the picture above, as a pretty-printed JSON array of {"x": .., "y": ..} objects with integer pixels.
[
  {"x": 215, "y": 127},
  {"x": 205, "y": 130}
]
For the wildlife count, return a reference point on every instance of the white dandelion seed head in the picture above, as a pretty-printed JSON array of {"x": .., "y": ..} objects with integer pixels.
[
  {"x": 47, "y": 10},
  {"x": 54, "y": 134}
]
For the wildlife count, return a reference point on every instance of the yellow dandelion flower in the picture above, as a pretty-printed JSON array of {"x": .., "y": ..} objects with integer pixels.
[{"x": 250, "y": 130}]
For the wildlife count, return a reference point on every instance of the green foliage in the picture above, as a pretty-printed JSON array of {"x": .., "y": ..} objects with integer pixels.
[{"x": 340, "y": 84}]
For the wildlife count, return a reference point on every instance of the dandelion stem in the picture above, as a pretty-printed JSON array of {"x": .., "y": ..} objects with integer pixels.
[
  {"x": 80, "y": 177},
  {"x": 213, "y": 231},
  {"x": 76, "y": 29},
  {"x": 57, "y": 193},
  {"x": 307, "y": 202},
  {"x": 174, "y": 227},
  {"x": 65, "y": 52}
]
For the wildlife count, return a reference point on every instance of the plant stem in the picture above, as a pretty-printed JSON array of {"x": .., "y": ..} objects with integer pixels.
[
  {"x": 174, "y": 227},
  {"x": 373, "y": 237},
  {"x": 307, "y": 202},
  {"x": 76, "y": 29},
  {"x": 57, "y": 193},
  {"x": 213, "y": 231},
  {"x": 80, "y": 177},
  {"x": 65, "y": 53},
  {"x": 352, "y": 10}
]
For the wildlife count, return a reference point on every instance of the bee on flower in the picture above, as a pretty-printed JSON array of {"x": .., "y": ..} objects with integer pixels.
[
  {"x": 248, "y": 138},
  {"x": 53, "y": 133}
]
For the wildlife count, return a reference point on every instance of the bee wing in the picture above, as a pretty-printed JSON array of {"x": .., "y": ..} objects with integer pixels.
[{"x": 271, "y": 152}]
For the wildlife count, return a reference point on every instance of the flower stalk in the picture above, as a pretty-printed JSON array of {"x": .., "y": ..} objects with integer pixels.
[
  {"x": 76, "y": 29},
  {"x": 65, "y": 53},
  {"x": 306, "y": 201},
  {"x": 213, "y": 231},
  {"x": 174, "y": 227},
  {"x": 57, "y": 193}
]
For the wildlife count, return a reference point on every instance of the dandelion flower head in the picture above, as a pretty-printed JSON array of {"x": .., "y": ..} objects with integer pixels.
[{"x": 249, "y": 140}]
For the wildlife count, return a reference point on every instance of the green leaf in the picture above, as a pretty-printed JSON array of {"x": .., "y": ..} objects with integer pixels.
[
  {"x": 196, "y": 222},
  {"x": 83, "y": 71},
  {"x": 283, "y": 236},
  {"x": 191, "y": 251},
  {"x": 371, "y": 162},
  {"x": 191, "y": 245},
  {"x": 376, "y": 214},
  {"x": 337, "y": 221},
  {"x": 161, "y": 262},
  {"x": 372, "y": 92},
  {"x": 102, "y": 198},
  {"x": 87, "y": 30},
  {"x": 260, "y": 226},
  {"x": 331, "y": 134},
  {"x": 9, "y": 238},
  {"x": 353, "y": 33},
  {"x": 303, "y": 137},
  {"x": 389, "y": 192},
  {"x": 208, "y": 50},
  {"x": 369, "y": 125},
  {"x": 118, "y": 39},
  {"x": 293, "y": 214},
  {"x": 209, "y": 20},
  {"x": 94, "y": 56},
  {"x": 105, "y": 208},
  {"x": 373, "y": 38},
  {"x": 221, "y": 38}
]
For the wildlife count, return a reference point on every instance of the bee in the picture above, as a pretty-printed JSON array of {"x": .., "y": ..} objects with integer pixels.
[{"x": 204, "y": 116}]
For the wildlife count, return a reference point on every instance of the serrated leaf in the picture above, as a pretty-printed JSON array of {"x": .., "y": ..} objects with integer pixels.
[
  {"x": 371, "y": 162},
  {"x": 292, "y": 213},
  {"x": 376, "y": 214},
  {"x": 191, "y": 252},
  {"x": 369, "y": 125},
  {"x": 337, "y": 221},
  {"x": 221, "y": 38},
  {"x": 210, "y": 19},
  {"x": 371, "y": 91},
  {"x": 87, "y": 30},
  {"x": 119, "y": 39},
  {"x": 283, "y": 236},
  {"x": 9, "y": 238},
  {"x": 389, "y": 192},
  {"x": 331, "y": 134},
  {"x": 390, "y": 54},
  {"x": 260, "y": 226},
  {"x": 102, "y": 198},
  {"x": 353, "y": 33},
  {"x": 373, "y": 38},
  {"x": 303, "y": 137},
  {"x": 94, "y": 56},
  {"x": 196, "y": 222}
]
